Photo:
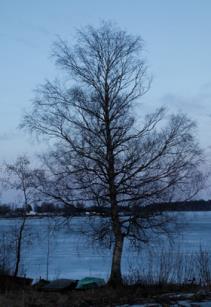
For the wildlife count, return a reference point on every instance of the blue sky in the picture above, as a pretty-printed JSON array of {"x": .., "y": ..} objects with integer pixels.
[{"x": 177, "y": 38}]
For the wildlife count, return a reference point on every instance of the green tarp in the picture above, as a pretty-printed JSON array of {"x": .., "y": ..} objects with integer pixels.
[
  {"x": 60, "y": 284},
  {"x": 90, "y": 282}
]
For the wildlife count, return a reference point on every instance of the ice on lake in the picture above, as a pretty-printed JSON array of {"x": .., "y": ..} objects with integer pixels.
[{"x": 70, "y": 255}]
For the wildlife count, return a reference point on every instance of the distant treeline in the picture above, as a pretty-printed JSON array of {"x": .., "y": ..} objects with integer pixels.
[
  {"x": 79, "y": 209},
  {"x": 43, "y": 208},
  {"x": 193, "y": 205}
]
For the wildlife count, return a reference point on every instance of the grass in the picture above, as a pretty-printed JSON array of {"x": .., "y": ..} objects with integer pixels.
[
  {"x": 101, "y": 297},
  {"x": 172, "y": 267},
  {"x": 175, "y": 273}
]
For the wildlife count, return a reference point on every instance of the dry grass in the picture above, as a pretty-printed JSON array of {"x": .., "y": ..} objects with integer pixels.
[
  {"x": 175, "y": 273},
  {"x": 102, "y": 297},
  {"x": 173, "y": 267}
]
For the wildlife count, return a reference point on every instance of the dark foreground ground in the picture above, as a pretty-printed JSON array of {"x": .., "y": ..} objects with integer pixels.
[{"x": 168, "y": 295}]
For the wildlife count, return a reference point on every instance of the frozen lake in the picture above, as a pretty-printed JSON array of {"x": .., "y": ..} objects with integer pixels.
[{"x": 70, "y": 256}]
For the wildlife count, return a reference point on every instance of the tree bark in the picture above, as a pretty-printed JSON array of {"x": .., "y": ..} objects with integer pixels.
[
  {"x": 18, "y": 250},
  {"x": 116, "y": 275}
]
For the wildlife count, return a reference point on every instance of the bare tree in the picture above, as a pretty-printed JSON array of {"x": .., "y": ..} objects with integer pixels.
[
  {"x": 102, "y": 156},
  {"x": 18, "y": 177}
]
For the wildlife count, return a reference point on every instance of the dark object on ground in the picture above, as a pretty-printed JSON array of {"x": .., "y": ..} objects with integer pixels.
[
  {"x": 40, "y": 284},
  {"x": 12, "y": 282},
  {"x": 60, "y": 285},
  {"x": 90, "y": 282}
]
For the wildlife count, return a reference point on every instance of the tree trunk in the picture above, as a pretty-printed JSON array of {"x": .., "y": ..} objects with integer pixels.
[
  {"x": 116, "y": 275},
  {"x": 19, "y": 243}
]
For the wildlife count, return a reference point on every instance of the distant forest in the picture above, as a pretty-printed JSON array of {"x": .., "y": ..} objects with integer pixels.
[
  {"x": 78, "y": 210},
  {"x": 193, "y": 205}
]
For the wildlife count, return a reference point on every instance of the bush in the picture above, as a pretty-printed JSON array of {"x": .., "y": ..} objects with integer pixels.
[{"x": 167, "y": 266}]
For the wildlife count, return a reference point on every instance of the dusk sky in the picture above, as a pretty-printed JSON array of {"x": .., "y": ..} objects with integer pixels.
[{"x": 177, "y": 37}]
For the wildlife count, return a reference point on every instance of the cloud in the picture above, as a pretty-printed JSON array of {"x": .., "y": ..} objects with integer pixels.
[
  {"x": 30, "y": 30},
  {"x": 7, "y": 136},
  {"x": 19, "y": 39},
  {"x": 198, "y": 105},
  {"x": 36, "y": 28}
]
